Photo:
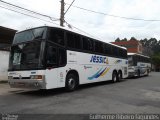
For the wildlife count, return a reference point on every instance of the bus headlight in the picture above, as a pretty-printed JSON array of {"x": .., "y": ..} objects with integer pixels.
[{"x": 38, "y": 77}]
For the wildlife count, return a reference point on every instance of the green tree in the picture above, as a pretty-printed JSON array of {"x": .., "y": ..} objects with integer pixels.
[
  {"x": 125, "y": 39},
  {"x": 144, "y": 41},
  {"x": 156, "y": 59},
  {"x": 117, "y": 40},
  {"x": 133, "y": 38}
]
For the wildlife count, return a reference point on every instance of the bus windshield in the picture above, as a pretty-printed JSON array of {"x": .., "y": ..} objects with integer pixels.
[
  {"x": 25, "y": 56},
  {"x": 29, "y": 35}
]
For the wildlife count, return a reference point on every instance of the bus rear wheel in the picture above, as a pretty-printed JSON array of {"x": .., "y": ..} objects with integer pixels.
[
  {"x": 139, "y": 74},
  {"x": 119, "y": 76},
  {"x": 114, "y": 77},
  {"x": 71, "y": 82},
  {"x": 147, "y": 72}
]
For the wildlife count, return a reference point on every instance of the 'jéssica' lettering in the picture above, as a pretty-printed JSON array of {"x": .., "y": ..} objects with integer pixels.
[{"x": 98, "y": 59}]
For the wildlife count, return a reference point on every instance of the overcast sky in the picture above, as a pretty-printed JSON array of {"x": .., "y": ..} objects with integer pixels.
[{"x": 104, "y": 27}]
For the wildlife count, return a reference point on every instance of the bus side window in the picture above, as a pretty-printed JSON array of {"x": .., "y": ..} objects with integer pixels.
[
  {"x": 62, "y": 57},
  {"x": 51, "y": 56},
  {"x": 99, "y": 47},
  {"x": 70, "y": 40},
  {"x": 57, "y": 36},
  {"x": 78, "y": 44},
  {"x": 87, "y": 44},
  {"x": 115, "y": 51},
  {"x": 73, "y": 40},
  {"x": 108, "y": 49}
]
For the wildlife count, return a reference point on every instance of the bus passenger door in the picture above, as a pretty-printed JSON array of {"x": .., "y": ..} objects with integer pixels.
[
  {"x": 51, "y": 65},
  {"x": 62, "y": 60}
]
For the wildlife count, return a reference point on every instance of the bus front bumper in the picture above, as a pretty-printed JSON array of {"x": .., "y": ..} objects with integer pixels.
[
  {"x": 27, "y": 83},
  {"x": 131, "y": 74}
]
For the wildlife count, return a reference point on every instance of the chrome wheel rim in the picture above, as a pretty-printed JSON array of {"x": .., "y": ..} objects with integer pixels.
[
  {"x": 119, "y": 77},
  {"x": 71, "y": 83},
  {"x": 114, "y": 78}
]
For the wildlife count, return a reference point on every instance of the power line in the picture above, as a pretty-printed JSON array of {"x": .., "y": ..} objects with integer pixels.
[
  {"x": 79, "y": 29},
  {"x": 43, "y": 19},
  {"x": 69, "y": 7},
  {"x": 27, "y": 15},
  {"x": 30, "y": 11},
  {"x": 116, "y": 16},
  {"x": 51, "y": 18}
]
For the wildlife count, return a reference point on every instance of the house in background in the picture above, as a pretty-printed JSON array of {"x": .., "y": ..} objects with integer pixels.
[
  {"x": 6, "y": 38},
  {"x": 133, "y": 46}
]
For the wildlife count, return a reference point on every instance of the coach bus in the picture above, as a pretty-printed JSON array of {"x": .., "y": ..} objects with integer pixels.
[
  {"x": 52, "y": 57},
  {"x": 138, "y": 65}
]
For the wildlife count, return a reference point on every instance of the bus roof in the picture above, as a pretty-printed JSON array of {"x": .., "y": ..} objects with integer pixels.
[
  {"x": 81, "y": 33},
  {"x": 137, "y": 54}
]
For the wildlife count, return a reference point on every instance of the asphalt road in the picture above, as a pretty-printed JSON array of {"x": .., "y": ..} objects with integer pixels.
[{"x": 140, "y": 95}]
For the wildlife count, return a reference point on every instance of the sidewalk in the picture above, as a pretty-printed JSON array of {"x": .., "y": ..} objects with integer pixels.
[{"x": 5, "y": 89}]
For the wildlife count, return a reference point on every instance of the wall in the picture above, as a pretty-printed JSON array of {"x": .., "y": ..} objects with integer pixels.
[
  {"x": 133, "y": 46},
  {"x": 4, "y": 60}
]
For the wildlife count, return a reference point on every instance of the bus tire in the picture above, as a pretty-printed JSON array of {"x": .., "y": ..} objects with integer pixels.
[
  {"x": 71, "y": 82},
  {"x": 120, "y": 76},
  {"x": 147, "y": 72},
  {"x": 139, "y": 74},
  {"x": 114, "y": 77}
]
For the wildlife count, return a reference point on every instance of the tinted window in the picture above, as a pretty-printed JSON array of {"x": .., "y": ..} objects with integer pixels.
[
  {"x": 122, "y": 53},
  {"x": 77, "y": 42},
  {"x": 99, "y": 47},
  {"x": 56, "y": 36},
  {"x": 135, "y": 60},
  {"x": 70, "y": 40},
  {"x": 51, "y": 58},
  {"x": 115, "y": 51},
  {"x": 73, "y": 40},
  {"x": 62, "y": 57},
  {"x": 25, "y": 56},
  {"x": 29, "y": 35},
  {"x": 108, "y": 49},
  {"x": 87, "y": 44}
]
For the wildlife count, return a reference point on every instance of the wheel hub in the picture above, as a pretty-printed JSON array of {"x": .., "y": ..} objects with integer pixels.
[{"x": 71, "y": 83}]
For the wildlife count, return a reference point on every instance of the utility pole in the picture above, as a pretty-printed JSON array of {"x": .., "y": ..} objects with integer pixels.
[{"x": 62, "y": 13}]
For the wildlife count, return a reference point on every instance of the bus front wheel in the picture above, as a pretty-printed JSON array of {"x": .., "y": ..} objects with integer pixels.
[{"x": 71, "y": 82}]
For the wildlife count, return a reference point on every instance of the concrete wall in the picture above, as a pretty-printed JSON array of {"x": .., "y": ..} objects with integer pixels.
[{"x": 4, "y": 60}]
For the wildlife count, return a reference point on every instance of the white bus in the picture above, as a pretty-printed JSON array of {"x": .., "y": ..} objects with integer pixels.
[
  {"x": 53, "y": 57},
  {"x": 138, "y": 65}
]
